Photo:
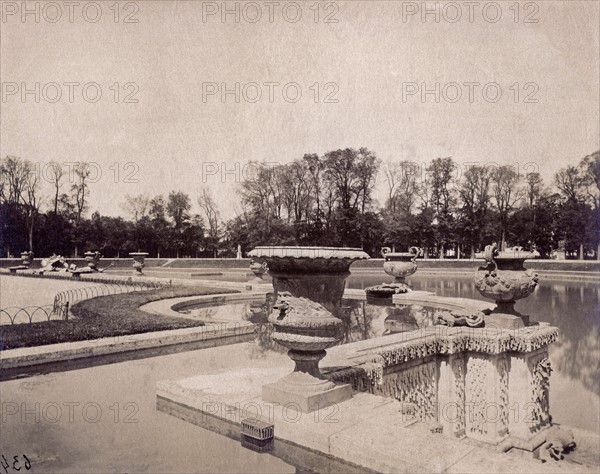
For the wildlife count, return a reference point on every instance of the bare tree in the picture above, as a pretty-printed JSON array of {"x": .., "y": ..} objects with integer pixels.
[
  {"x": 79, "y": 189},
  {"x": 136, "y": 206},
  {"x": 20, "y": 187},
  {"x": 569, "y": 181},
  {"x": 402, "y": 181},
  {"x": 56, "y": 175},
  {"x": 296, "y": 190},
  {"x": 507, "y": 194},
  {"x": 590, "y": 169},
  {"x": 211, "y": 211},
  {"x": 31, "y": 202},
  {"x": 534, "y": 187},
  {"x": 14, "y": 175}
]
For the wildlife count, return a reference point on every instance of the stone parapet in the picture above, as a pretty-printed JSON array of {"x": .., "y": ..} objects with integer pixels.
[{"x": 482, "y": 384}]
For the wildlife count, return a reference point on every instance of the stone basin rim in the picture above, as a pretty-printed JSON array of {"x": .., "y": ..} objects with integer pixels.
[{"x": 308, "y": 253}]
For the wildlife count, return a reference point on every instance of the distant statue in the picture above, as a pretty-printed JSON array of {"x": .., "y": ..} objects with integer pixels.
[
  {"x": 55, "y": 263},
  {"x": 239, "y": 252}
]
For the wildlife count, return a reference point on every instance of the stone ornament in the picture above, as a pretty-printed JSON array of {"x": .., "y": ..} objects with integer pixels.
[
  {"x": 92, "y": 259},
  {"x": 309, "y": 285},
  {"x": 306, "y": 328},
  {"x": 55, "y": 263},
  {"x": 259, "y": 269},
  {"x": 459, "y": 318},
  {"x": 562, "y": 441},
  {"x": 505, "y": 280},
  {"x": 316, "y": 273},
  {"x": 26, "y": 262},
  {"x": 400, "y": 265},
  {"x": 294, "y": 259},
  {"x": 138, "y": 261}
]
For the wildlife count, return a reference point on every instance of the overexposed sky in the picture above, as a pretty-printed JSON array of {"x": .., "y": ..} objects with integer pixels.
[{"x": 360, "y": 80}]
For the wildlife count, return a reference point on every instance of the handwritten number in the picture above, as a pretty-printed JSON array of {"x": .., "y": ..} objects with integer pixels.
[{"x": 4, "y": 464}]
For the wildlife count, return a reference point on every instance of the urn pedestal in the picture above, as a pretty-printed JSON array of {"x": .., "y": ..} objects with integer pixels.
[
  {"x": 307, "y": 329},
  {"x": 505, "y": 280},
  {"x": 309, "y": 285}
]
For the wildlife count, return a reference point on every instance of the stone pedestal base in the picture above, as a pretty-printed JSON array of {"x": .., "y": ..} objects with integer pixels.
[
  {"x": 305, "y": 393},
  {"x": 387, "y": 290},
  {"x": 505, "y": 321}
]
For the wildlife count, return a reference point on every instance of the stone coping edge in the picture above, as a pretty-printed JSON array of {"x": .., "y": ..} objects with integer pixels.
[
  {"x": 370, "y": 362},
  {"x": 31, "y": 356}
]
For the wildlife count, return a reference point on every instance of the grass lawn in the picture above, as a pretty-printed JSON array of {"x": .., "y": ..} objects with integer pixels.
[{"x": 104, "y": 316}]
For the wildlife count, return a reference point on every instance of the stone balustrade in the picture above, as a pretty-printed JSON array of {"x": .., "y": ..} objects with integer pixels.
[{"x": 483, "y": 383}]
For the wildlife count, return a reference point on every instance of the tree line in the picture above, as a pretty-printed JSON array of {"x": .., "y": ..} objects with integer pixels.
[{"x": 316, "y": 200}]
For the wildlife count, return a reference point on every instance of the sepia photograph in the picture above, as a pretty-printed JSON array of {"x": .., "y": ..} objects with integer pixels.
[{"x": 311, "y": 236}]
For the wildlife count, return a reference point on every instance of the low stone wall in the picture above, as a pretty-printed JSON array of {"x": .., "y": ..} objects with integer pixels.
[
  {"x": 80, "y": 262},
  {"x": 374, "y": 263}
]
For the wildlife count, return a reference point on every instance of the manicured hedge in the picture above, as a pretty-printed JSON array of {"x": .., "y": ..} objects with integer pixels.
[{"x": 104, "y": 316}]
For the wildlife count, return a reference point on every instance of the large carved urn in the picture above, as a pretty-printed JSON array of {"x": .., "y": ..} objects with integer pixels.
[
  {"x": 400, "y": 264},
  {"x": 316, "y": 273},
  {"x": 309, "y": 284},
  {"x": 504, "y": 279},
  {"x": 307, "y": 329}
]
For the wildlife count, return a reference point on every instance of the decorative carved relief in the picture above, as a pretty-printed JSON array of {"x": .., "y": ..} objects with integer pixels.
[
  {"x": 457, "y": 365},
  {"x": 415, "y": 386},
  {"x": 539, "y": 414},
  {"x": 503, "y": 370},
  {"x": 475, "y": 388}
]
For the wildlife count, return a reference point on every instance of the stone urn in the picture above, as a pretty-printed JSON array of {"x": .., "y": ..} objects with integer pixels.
[
  {"x": 259, "y": 269},
  {"x": 26, "y": 259},
  {"x": 316, "y": 273},
  {"x": 306, "y": 328},
  {"x": 399, "y": 265},
  {"x": 504, "y": 279},
  {"x": 26, "y": 262},
  {"x": 309, "y": 285},
  {"x": 138, "y": 262},
  {"x": 92, "y": 259}
]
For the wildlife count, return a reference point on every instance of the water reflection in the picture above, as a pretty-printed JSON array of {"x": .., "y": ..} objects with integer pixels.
[{"x": 362, "y": 319}]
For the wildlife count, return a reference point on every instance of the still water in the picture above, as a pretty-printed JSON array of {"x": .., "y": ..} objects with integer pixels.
[{"x": 104, "y": 419}]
